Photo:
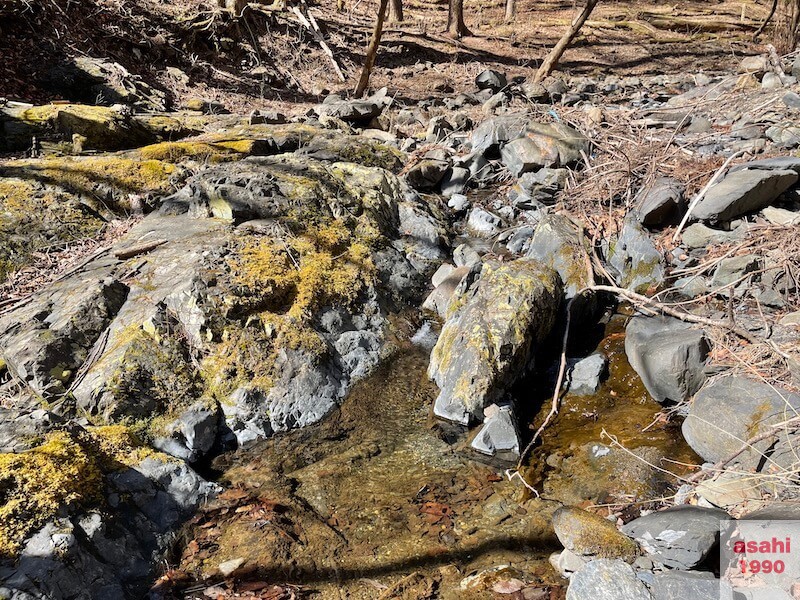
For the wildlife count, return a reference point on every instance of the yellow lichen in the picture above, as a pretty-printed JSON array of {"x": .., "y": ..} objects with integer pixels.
[
  {"x": 213, "y": 152},
  {"x": 65, "y": 470}
]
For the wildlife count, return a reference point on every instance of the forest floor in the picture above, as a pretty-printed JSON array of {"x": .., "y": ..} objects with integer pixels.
[{"x": 267, "y": 60}]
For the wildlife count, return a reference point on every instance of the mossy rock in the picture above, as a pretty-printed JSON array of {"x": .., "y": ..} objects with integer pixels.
[{"x": 588, "y": 534}]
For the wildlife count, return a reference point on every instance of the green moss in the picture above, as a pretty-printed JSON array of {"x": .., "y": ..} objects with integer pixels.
[
  {"x": 66, "y": 470},
  {"x": 173, "y": 152}
]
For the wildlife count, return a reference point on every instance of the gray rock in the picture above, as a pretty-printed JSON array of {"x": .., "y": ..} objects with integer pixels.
[
  {"x": 496, "y": 101},
  {"x": 669, "y": 355},
  {"x": 730, "y": 270},
  {"x": 543, "y": 145},
  {"x": 439, "y": 128},
  {"x": 777, "y": 163},
  {"x": 246, "y": 416},
  {"x": 482, "y": 223},
  {"x": 441, "y": 274},
  {"x": 192, "y": 434},
  {"x": 584, "y": 375},
  {"x": 490, "y": 339},
  {"x": 458, "y": 202},
  {"x": 771, "y": 81},
  {"x": 357, "y": 111},
  {"x": 454, "y": 181},
  {"x": 633, "y": 258},
  {"x": 23, "y": 429},
  {"x": 491, "y": 80},
  {"x": 560, "y": 244},
  {"x": 496, "y": 131},
  {"x": 784, "y": 135},
  {"x": 791, "y": 100},
  {"x": 698, "y": 235},
  {"x": 498, "y": 435},
  {"x": 680, "y": 537},
  {"x": 519, "y": 240},
  {"x": 566, "y": 563},
  {"x": 781, "y": 216},
  {"x": 427, "y": 174},
  {"x": 439, "y": 299},
  {"x": 692, "y": 286},
  {"x": 660, "y": 204},
  {"x": 796, "y": 67},
  {"x": 466, "y": 256},
  {"x": 756, "y": 65},
  {"x": 606, "y": 579},
  {"x": 681, "y": 585},
  {"x": 732, "y": 410},
  {"x": 742, "y": 192},
  {"x": 535, "y": 92},
  {"x": 541, "y": 186}
]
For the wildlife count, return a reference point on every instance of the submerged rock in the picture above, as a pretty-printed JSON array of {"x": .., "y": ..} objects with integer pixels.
[
  {"x": 498, "y": 435},
  {"x": 669, "y": 355},
  {"x": 491, "y": 336}
]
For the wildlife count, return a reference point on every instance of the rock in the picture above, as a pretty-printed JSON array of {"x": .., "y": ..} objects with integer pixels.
[
  {"x": 730, "y": 270},
  {"x": 700, "y": 125},
  {"x": 466, "y": 256},
  {"x": 781, "y": 216},
  {"x": 498, "y": 435},
  {"x": 792, "y": 318},
  {"x": 482, "y": 223},
  {"x": 732, "y": 410},
  {"x": 355, "y": 111},
  {"x": 519, "y": 240},
  {"x": 777, "y": 163},
  {"x": 791, "y": 100},
  {"x": 492, "y": 133},
  {"x": 771, "y": 81},
  {"x": 439, "y": 128},
  {"x": 491, "y": 337},
  {"x": 692, "y": 286},
  {"x": 742, "y": 192},
  {"x": 729, "y": 490},
  {"x": 796, "y": 67},
  {"x": 560, "y": 244},
  {"x": 229, "y": 566},
  {"x": 784, "y": 135},
  {"x": 584, "y": 375},
  {"x": 680, "y": 585},
  {"x": 535, "y": 92},
  {"x": 634, "y": 258},
  {"x": 427, "y": 174},
  {"x": 454, "y": 181},
  {"x": 698, "y": 235},
  {"x": 756, "y": 65},
  {"x": 246, "y": 416},
  {"x": 680, "y": 537},
  {"x": 22, "y": 429},
  {"x": 669, "y": 355},
  {"x": 543, "y": 145},
  {"x": 439, "y": 299},
  {"x": 491, "y": 80},
  {"x": 192, "y": 434},
  {"x": 496, "y": 101},
  {"x": 556, "y": 88},
  {"x": 606, "y": 579},
  {"x": 459, "y": 203},
  {"x": 588, "y": 534},
  {"x": 541, "y": 186},
  {"x": 566, "y": 563},
  {"x": 661, "y": 204},
  {"x": 441, "y": 274}
]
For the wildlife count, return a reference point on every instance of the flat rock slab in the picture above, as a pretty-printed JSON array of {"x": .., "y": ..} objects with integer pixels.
[
  {"x": 732, "y": 410},
  {"x": 742, "y": 192},
  {"x": 679, "y": 585},
  {"x": 490, "y": 339},
  {"x": 606, "y": 579},
  {"x": 680, "y": 537}
]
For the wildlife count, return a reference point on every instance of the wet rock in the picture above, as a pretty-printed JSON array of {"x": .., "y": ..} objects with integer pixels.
[
  {"x": 498, "y": 435},
  {"x": 680, "y": 585},
  {"x": 698, "y": 235},
  {"x": 669, "y": 355},
  {"x": 492, "y": 336},
  {"x": 543, "y": 145},
  {"x": 742, "y": 192},
  {"x": 680, "y": 537},
  {"x": 427, "y": 174},
  {"x": 588, "y": 534},
  {"x": 606, "y": 579},
  {"x": 560, "y": 244},
  {"x": 491, "y": 80},
  {"x": 584, "y": 375},
  {"x": 482, "y": 223},
  {"x": 732, "y": 410},
  {"x": 661, "y": 204},
  {"x": 634, "y": 259}
]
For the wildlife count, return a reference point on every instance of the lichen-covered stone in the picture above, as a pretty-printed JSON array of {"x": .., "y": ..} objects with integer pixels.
[
  {"x": 588, "y": 534},
  {"x": 491, "y": 335}
]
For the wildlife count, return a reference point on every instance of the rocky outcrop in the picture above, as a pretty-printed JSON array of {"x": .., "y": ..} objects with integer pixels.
[{"x": 491, "y": 335}]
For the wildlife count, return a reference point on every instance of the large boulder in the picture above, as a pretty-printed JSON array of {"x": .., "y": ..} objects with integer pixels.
[
  {"x": 742, "y": 192},
  {"x": 491, "y": 336},
  {"x": 680, "y": 537},
  {"x": 669, "y": 355},
  {"x": 731, "y": 411}
]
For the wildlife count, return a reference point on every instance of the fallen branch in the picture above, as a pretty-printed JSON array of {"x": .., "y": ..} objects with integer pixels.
[
  {"x": 126, "y": 253},
  {"x": 311, "y": 24}
]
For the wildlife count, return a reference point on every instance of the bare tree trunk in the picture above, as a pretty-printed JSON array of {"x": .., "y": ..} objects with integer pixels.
[
  {"x": 511, "y": 10},
  {"x": 396, "y": 11},
  {"x": 372, "y": 51},
  {"x": 455, "y": 20},
  {"x": 551, "y": 61}
]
